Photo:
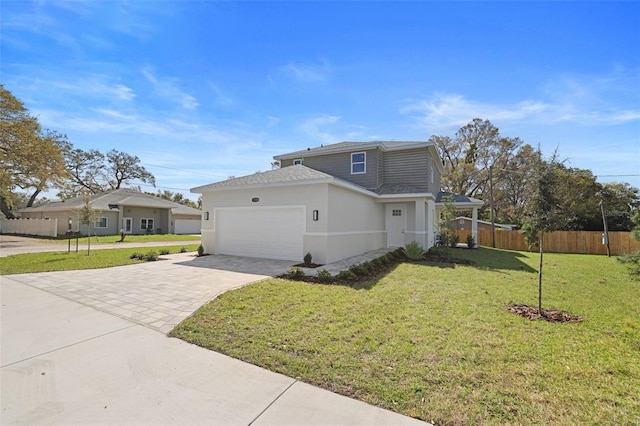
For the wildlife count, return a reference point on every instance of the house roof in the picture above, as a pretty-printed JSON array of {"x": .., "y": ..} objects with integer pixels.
[
  {"x": 297, "y": 174},
  {"x": 459, "y": 199},
  {"x": 353, "y": 146},
  {"x": 111, "y": 200},
  {"x": 350, "y": 146}
]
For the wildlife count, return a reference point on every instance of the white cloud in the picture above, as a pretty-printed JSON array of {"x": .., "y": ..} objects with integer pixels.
[
  {"x": 315, "y": 127},
  {"x": 168, "y": 88},
  {"x": 307, "y": 72}
]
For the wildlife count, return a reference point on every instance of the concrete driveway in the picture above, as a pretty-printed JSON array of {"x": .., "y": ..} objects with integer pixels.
[
  {"x": 87, "y": 347},
  {"x": 160, "y": 294}
]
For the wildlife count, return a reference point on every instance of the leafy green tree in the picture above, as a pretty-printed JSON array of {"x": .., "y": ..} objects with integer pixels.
[
  {"x": 633, "y": 260},
  {"x": 548, "y": 210},
  {"x": 123, "y": 167},
  {"x": 31, "y": 159}
]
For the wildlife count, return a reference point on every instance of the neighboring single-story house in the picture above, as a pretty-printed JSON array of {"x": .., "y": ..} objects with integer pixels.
[
  {"x": 463, "y": 223},
  {"x": 332, "y": 201},
  {"x": 132, "y": 211}
]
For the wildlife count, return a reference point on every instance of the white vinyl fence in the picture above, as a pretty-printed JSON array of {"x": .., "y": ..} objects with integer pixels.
[{"x": 42, "y": 227}]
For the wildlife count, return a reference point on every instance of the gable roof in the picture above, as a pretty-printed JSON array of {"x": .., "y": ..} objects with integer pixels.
[
  {"x": 110, "y": 201},
  {"x": 297, "y": 174},
  {"x": 351, "y": 146}
]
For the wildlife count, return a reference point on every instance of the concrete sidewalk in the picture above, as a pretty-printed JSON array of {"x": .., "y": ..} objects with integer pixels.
[{"x": 67, "y": 363}]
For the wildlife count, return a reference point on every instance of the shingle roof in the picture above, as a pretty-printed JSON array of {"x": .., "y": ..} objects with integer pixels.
[
  {"x": 457, "y": 198},
  {"x": 110, "y": 200},
  {"x": 291, "y": 174},
  {"x": 346, "y": 146}
]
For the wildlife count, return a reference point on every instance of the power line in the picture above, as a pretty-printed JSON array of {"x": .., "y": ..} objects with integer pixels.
[{"x": 182, "y": 170}]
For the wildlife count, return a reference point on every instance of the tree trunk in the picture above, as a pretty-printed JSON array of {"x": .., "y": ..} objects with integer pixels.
[
  {"x": 33, "y": 197},
  {"x": 88, "y": 239},
  {"x": 4, "y": 208},
  {"x": 540, "y": 276}
]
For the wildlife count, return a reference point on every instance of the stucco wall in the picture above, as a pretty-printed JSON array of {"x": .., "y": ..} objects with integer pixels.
[{"x": 349, "y": 222}]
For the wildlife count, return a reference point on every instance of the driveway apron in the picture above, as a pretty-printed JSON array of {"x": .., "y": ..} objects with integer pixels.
[{"x": 158, "y": 295}]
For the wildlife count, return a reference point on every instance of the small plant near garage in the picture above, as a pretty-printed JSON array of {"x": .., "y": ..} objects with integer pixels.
[
  {"x": 151, "y": 256},
  {"x": 295, "y": 272},
  {"x": 137, "y": 256},
  {"x": 414, "y": 251},
  {"x": 200, "y": 250},
  {"x": 183, "y": 250},
  {"x": 164, "y": 252},
  {"x": 324, "y": 276}
]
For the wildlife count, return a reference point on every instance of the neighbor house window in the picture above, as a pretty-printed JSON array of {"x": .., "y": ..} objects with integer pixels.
[
  {"x": 297, "y": 161},
  {"x": 358, "y": 163},
  {"x": 146, "y": 224},
  {"x": 101, "y": 222}
]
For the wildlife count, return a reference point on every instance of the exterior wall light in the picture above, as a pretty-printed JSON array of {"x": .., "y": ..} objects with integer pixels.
[
  {"x": 315, "y": 215},
  {"x": 206, "y": 215}
]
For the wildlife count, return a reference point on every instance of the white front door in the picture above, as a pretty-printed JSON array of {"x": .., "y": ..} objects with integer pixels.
[
  {"x": 127, "y": 224},
  {"x": 396, "y": 223}
]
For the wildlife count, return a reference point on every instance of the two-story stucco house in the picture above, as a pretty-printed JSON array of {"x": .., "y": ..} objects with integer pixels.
[{"x": 332, "y": 201}]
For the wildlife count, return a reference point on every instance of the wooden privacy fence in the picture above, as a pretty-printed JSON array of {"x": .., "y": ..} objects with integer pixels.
[{"x": 582, "y": 242}]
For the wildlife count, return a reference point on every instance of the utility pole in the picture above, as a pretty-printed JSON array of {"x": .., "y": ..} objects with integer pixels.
[
  {"x": 493, "y": 220},
  {"x": 605, "y": 236}
]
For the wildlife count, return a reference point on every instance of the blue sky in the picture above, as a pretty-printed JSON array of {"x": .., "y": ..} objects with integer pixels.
[{"x": 202, "y": 90}]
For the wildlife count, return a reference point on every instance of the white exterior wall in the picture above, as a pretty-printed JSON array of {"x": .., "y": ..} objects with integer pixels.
[
  {"x": 349, "y": 222},
  {"x": 356, "y": 224}
]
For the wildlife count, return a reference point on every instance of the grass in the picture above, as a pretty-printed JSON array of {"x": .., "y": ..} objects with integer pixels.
[
  {"x": 435, "y": 341},
  {"x": 63, "y": 261},
  {"x": 108, "y": 239}
]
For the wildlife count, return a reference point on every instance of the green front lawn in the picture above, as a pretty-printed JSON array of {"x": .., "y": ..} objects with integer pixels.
[
  {"x": 144, "y": 238},
  {"x": 436, "y": 342},
  {"x": 63, "y": 261}
]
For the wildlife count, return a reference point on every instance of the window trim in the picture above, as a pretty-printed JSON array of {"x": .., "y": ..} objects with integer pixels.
[
  {"x": 297, "y": 161},
  {"x": 99, "y": 219},
  {"x": 147, "y": 219},
  {"x": 363, "y": 162}
]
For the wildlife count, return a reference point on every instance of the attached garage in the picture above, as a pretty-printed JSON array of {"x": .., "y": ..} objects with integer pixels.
[
  {"x": 264, "y": 232},
  {"x": 187, "y": 226}
]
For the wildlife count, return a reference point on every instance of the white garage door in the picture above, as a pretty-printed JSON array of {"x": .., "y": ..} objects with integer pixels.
[
  {"x": 186, "y": 226},
  {"x": 270, "y": 233}
]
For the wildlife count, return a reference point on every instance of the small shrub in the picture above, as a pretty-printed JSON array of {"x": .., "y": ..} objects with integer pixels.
[
  {"x": 295, "y": 272},
  {"x": 347, "y": 276},
  {"x": 389, "y": 257},
  {"x": 137, "y": 256},
  {"x": 413, "y": 251},
  {"x": 444, "y": 239},
  {"x": 151, "y": 256},
  {"x": 360, "y": 270},
  {"x": 471, "y": 243},
  {"x": 164, "y": 252},
  {"x": 200, "y": 250},
  {"x": 376, "y": 262},
  {"x": 454, "y": 239},
  {"x": 307, "y": 259},
  {"x": 183, "y": 249},
  {"x": 325, "y": 276}
]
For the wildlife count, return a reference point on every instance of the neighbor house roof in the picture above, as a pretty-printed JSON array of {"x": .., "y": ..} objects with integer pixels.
[
  {"x": 459, "y": 200},
  {"x": 110, "y": 201}
]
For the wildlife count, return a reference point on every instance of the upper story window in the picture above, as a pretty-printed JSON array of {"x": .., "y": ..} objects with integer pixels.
[
  {"x": 358, "y": 163},
  {"x": 297, "y": 161}
]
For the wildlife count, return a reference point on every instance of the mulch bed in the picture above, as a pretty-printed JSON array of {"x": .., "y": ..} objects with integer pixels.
[{"x": 532, "y": 313}]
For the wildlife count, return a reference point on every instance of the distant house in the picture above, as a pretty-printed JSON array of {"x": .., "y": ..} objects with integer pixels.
[
  {"x": 127, "y": 209},
  {"x": 466, "y": 223},
  {"x": 332, "y": 201}
]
